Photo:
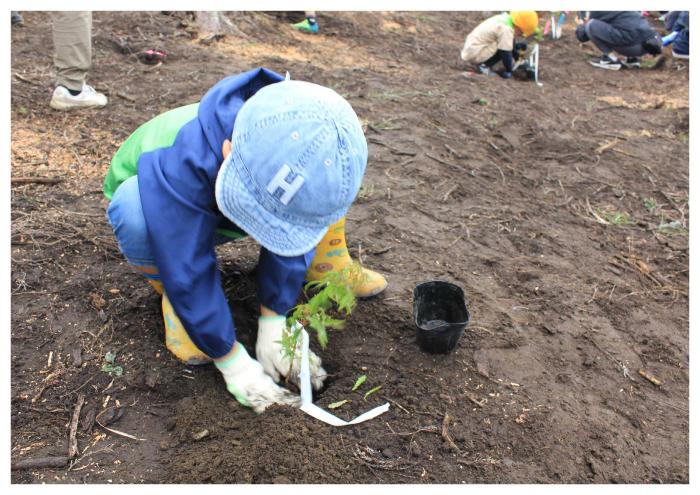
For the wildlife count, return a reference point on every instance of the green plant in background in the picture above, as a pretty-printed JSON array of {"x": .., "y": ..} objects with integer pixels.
[
  {"x": 649, "y": 204},
  {"x": 366, "y": 190},
  {"x": 334, "y": 296},
  {"x": 674, "y": 227},
  {"x": 539, "y": 33},
  {"x": 108, "y": 365},
  {"x": 615, "y": 217}
]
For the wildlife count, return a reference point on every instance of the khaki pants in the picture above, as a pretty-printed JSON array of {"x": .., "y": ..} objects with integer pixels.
[{"x": 72, "y": 41}]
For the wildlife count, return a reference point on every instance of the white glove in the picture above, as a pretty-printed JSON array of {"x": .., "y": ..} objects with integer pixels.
[
  {"x": 272, "y": 357},
  {"x": 247, "y": 381}
]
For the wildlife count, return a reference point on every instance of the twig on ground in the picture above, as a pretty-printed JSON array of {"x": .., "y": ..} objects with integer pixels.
[
  {"x": 28, "y": 81},
  {"x": 598, "y": 218},
  {"x": 120, "y": 433},
  {"x": 648, "y": 376},
  {"x": 16, "y": 181},
  {"x": 48, "y": 381},
  {"x": 395, "y": 151},
  {"x": 449, "y": 191},
  {"x": 72, "y": 439},
  {"x": 41, "y": 462},
  {"x": 446, "y": 435},
  {"x": 126, "y": 97},
  {"x": 439, "y": 160},
  {"x": 607, "y": 145},
  {"x": 453, "y": 151}
]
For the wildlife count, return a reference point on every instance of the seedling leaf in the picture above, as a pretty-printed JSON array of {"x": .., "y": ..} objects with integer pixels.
[
  {"x": 109, "y": 367},
  {"x": 335, "y": 405},
  {"x": 371, "y": 391},
  {"x": 361, "y": 379}
]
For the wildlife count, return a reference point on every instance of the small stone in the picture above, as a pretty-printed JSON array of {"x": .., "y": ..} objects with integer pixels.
[{"x": 200, "y": 435}]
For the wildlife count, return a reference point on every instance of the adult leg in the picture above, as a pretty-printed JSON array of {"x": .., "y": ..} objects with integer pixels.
[
  {"x": 72, "y": 40},
  {"x": 125, "y": 214},
  {"x": 681, "y": 45},
  {"x": 602, "y": 36}
]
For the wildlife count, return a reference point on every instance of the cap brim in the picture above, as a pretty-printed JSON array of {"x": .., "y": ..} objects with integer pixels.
[{"x": 242, "y": 208}]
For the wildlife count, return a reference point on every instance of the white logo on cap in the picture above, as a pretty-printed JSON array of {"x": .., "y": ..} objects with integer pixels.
[{"x": 279, "y": 181}]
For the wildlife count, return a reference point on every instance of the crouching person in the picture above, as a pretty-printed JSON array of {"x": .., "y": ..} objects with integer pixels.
[
  {"x": 493, "y": 41},
  {"x": 278, "y": 160},
  {"x": 625, "y": 32}
]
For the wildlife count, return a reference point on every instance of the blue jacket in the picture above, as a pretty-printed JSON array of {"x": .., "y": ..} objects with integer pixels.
[{"x": 177, "y": 156}]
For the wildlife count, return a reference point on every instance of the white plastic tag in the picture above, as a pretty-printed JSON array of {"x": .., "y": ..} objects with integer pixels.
[{"x": 312, "y": 409}]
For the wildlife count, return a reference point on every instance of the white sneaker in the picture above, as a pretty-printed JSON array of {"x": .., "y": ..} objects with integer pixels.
[
  {"x": 684, "y": 56},
  {"x": 88, "y": 97}
]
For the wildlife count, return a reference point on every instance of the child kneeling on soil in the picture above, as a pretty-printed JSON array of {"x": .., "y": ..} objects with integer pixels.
[
  {"x": 625, "y": 32},
  {"x": 275, "y": 159},
  {"x": 493, "y": 41}
]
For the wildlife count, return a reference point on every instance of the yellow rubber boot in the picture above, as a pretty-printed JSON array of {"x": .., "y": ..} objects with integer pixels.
[
  {"x": 157, "y": 286},
  {"x": 151, "y": 271},
  {"x": 176, "y": 339},
  {"x": 332, "y": 255}
]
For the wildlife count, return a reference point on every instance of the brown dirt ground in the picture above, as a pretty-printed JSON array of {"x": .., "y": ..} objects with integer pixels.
[{"x": 562, "y": 211}]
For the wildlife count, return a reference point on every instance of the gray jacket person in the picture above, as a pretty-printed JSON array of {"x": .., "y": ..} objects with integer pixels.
[{"x": 625, "y": 32}]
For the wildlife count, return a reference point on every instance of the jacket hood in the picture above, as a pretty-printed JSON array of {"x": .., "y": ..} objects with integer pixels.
[{"x": 220, "y": 105}]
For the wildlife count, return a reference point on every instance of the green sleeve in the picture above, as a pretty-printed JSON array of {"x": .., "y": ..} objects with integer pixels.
[{"x": 159, "y": 132}]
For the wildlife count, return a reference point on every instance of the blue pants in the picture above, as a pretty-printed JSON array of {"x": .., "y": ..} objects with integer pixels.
[
  {"x": 682, "y": 25},
  {"x": 126, "y": 217}
]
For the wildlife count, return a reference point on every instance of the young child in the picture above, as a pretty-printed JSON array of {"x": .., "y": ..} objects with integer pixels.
[
  {"x": 275, "y": 159},
  {"x": 625, "y": 32},
  {"x": 493, "y": 40}
]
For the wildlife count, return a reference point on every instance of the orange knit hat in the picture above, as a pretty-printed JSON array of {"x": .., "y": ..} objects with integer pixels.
[{"x": 526, "y": 20}]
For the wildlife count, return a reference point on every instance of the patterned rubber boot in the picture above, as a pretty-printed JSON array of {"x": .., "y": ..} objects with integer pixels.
[
  {"x": 176, "y": 339},
  {"x": 332, "y": 255}
]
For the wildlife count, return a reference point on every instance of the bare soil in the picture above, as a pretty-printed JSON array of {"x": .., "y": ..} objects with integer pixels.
[{"x": 562, "y": 211}]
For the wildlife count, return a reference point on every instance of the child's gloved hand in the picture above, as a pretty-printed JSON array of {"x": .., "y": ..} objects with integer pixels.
[
  {"x": 271, "y": 355},
  {"x": 247, "y": 381},
  {"x": 505, "y": 74},
  {"x": 519, "y": 50}
]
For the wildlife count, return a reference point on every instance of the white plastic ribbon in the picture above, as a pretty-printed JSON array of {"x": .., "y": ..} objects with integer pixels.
[{"x": 312, "y": 409}]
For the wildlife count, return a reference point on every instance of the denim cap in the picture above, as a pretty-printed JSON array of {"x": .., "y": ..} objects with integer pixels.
[{"x": 295, "y": 167}]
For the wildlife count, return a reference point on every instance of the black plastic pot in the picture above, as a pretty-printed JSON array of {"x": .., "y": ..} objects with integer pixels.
[{"x": 441, "y": 315}]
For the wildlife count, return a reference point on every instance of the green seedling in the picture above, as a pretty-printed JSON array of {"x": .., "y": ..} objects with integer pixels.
[
  {"x": 336, "y": 405},
  {"x": 539, "y": 33},
  {"x": 649, "y": 204},
  {"x": 482, "y": 101},
  {"x": 617, "y": 217},
  {"x": 386, "y": 125},
  {"x": 358, "y": 383},
  {"x": 109, "y": 367},
  {"x": 371, "y": 391},
  {"x": 388, "y": 95},
  {"x": 425, "y": 18},
  {"x": 333, "y": 296},
  {"x": 673, "y": 227},
  {"x": 365, "y": 191}
]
